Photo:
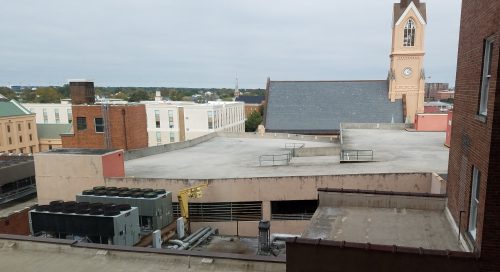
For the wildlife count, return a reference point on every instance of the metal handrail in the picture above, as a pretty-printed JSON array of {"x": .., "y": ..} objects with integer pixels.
[
  {"x": 275, "y": 158},
  {"x": 357, "y": 155}
]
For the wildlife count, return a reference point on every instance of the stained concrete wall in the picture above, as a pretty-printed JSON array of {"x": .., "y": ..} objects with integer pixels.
[
  {"x": 139, "y": 153},
  {"x": 267, "y": 189},
  {"x": 297, "y": 137},
  {"x": 339, "y": 199},
  {"x": 396, "y": 126},
  {"x": 317, "y": 151},
  {"x": 62, "y": 176}
]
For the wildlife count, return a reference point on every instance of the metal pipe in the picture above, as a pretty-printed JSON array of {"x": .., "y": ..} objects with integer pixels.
[
  {"x": 187, "y": 239},
  {"x": 282, "y": 236},
  {"x": 203, "y": 238},
  {"x": 198, "y": 236}
]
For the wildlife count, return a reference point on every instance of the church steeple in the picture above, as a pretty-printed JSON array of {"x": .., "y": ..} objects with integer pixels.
[{"x": 406, "y": 74}]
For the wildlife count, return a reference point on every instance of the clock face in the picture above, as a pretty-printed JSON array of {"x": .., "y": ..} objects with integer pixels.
[{"x": 407, "y": 72}]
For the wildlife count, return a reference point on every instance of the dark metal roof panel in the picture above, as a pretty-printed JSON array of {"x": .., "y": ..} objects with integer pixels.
[{"x": 322, "y": 105}]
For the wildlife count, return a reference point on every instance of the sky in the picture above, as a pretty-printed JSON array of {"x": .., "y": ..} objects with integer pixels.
[{"x": 206, "y": 43}]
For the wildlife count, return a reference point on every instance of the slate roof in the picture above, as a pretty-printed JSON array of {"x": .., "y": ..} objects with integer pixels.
[
  {"x": 399, "y": 9},
  {"x": 318, "y": 107},
  {"x": 251, "y": 99},
  {"x": 11, "y": 108},
  {"x": 52, "y": 131}
]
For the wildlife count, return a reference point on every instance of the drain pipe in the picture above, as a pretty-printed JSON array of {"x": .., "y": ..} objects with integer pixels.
[{"x": 188, "y": 239}]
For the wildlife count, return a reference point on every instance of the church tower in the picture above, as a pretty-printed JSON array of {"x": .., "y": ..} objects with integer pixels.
[{"x": 406, "y": 74}]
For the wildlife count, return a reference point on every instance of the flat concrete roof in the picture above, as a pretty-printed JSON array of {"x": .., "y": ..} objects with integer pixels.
[
  {"x": 396, "y": 151},
  {"x": 402, "y": 220},
  {"x": 17, "y": 205},
  {"x": 384, "y": 226},
  {"x": 62, "y": 255}
]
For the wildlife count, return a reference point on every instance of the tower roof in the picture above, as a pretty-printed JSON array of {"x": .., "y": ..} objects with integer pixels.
[{"x": 400, "y": 8}]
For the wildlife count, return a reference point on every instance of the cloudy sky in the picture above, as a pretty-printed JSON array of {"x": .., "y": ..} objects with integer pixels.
[{"x": 204, "y": 43}]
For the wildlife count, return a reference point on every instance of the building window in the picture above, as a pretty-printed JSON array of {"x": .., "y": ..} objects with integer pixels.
[
  {"x": 158, "y": 138},
  {"x": 157, "y": 118},
  {"x": 210, "y": 120},
  {"x": 8, "y": 128},
  {"x": 10, "y": 141},
  {"x": 18, "y": 127},
  {"x": 50, "y": 147},
  {"x": 99, "y": 125},
  {"x": 45, "y": 116},
  {"x": 20, "y": 139},
  {"x": 81, "y": 123},
  {"x": 31, "y": 137},
  {"x": 171, "y": 119},
  {"x": 31, "y": 149},
  {"x": 409, "y": 33},
  {"x": 474, "y": 202},
  {"x": 172, "y": 137},
  {"x": 56, "y": 111},
  {"x": 29, "y": 125},
  {"x": 486, "y": 76},
  {"x": 70, "y": 116}
]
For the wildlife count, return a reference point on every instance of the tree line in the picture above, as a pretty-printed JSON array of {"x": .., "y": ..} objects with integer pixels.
[{"x": 54, "y": 94}]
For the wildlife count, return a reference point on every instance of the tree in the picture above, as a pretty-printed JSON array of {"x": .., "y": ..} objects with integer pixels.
[
  {"x": 8, "y": 93},
  {"x": 139, "y": 95},
  {"x": 47, "y": 95},
  {"x": 253, "y": 121}
]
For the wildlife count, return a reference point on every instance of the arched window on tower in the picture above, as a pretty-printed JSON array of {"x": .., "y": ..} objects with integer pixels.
[{"x": 409, "y": 37}]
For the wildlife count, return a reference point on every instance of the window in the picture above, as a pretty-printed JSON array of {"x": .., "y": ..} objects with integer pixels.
[
  {"x": 29, "y": 125},
  {"x": 81, "y": 123},
  {"x": 20, "y": 139},
  {"x": 56, "y": 112},
  {"x": 18, "y": 127},
  {"x": 31, "y": 149},
  {"x": 99, "y": 125},
  {"x": 157, "y": 118},
  {"x": 171, "y": 119},
  {"x": 474, "y": 202},
  {"x": 50, "y": 147},
  {"x": 409, "y": 33},
  {"x": 70, "y": 116},
  {"x": 486, "y": 76},
  {"x": 10, "y": 141},
  {"x": 158, "y": 138},
  {"x": 210, "y": 120},
  {"x": 31, "y": 137},
  {"x": 45, "y": 116},
  {"x": 8, "y": 128},
  {"x": 172, "y": 137}
]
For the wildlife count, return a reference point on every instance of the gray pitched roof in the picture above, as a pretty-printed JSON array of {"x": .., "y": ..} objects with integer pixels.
[
  {"x": 52, "y": 131},
  {"x": 311, "y": 107},
  {"x": 251, "y": 99}
]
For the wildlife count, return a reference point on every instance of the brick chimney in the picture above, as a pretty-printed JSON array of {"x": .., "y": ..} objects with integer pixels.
[{"x": 82, "y": 92}]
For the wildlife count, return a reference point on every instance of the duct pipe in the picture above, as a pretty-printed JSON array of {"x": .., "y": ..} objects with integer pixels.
[{"x": 203, "y": 238}]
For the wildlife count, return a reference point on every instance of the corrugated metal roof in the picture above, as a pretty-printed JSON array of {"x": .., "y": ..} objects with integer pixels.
[
  {"x": 11, "y": 108},
  {"x": 320, "y": 106},
  {"x": 251, "y": 99},
  {"x": 52, "y": 131}
]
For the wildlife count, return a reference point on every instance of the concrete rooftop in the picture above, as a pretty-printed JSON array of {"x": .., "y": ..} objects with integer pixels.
[
  {"x": 20, "y": 256},
  {"x": 396, "y": 151},
  {"x": 408, "y": 221}
]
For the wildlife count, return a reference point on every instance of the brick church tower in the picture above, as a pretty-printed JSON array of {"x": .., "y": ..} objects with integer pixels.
[{"x": 406, "y": 74}]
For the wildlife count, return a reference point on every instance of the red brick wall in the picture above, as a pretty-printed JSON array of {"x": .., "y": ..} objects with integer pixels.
[
  {"x": 16, "y": 223},
  {"x": 449, "y": 124},
  {"x": 128, "y": 127},
  {"x": 474, "y": 142}
]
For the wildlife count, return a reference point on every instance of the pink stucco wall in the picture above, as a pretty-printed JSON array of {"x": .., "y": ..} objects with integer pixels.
[
  {"x": 113, "y": 165},
  {"x": 431, "y": 122}
]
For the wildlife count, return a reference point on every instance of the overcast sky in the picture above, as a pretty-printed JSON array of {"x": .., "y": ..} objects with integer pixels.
[{"x": 204, "y": 43}]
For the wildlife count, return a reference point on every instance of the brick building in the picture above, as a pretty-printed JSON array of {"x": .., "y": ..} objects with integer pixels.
[
  {"x": 473, "y": 188},
  {"x": 104, "y": 126}
]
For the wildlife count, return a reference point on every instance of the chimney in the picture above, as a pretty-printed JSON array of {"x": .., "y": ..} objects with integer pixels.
[{"x": 82, "y": 92}]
